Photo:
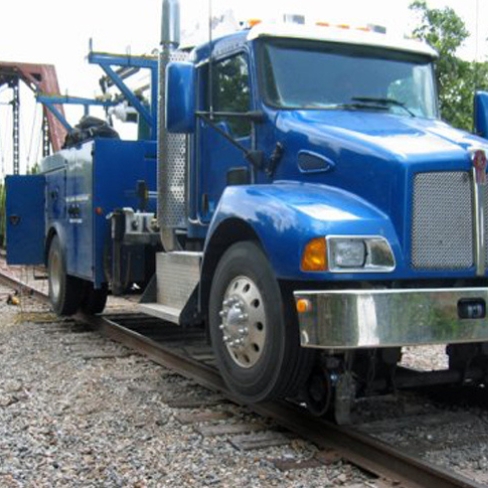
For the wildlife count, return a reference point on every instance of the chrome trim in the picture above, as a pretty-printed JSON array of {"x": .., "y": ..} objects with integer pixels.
[
  {"x": 170, "y": 23},
  {"x": 478, "y": 225},
  {"x": 345, "y": 319},
  {"x": 184, "y": 269},
  {"x": 378, "y": 250},
  {"x": 441, "y": 230},
  {"x": 172, "y": 162}
]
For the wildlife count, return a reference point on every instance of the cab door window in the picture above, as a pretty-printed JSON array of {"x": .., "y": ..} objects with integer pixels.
[{"x": 231, "y": 94}]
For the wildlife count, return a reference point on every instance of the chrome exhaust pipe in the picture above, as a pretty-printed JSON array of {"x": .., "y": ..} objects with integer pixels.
[
  {"x": 170, "y": 23},
  {"x": 171, "y": 147}
]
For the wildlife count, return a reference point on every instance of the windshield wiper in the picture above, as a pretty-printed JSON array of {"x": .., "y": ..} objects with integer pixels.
[
  {"x": 344, "y": 106},
  {"x": 383, "y": 102}
]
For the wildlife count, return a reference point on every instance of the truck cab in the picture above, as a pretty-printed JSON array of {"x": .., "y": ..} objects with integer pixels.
[{"x": 340, "y": 219}]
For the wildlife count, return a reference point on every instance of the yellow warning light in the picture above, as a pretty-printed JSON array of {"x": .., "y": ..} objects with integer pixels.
[
  {"x": 253, "y": 22},
  {"x": 304, "y": 305},
  {"x": 314, "y": 257}
]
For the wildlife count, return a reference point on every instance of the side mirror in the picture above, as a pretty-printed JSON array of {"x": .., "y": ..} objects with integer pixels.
[
  {"x": 180, "y": 98},
  {"x": 481, "y": 114}
]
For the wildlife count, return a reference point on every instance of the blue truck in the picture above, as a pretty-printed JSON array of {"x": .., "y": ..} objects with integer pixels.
[{"x": 300, "y": 199}]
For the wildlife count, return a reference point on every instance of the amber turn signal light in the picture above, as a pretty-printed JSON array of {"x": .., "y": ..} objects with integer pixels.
[
  {"x": 314, "y": 257},
  {"x": 304, "y": 305}
]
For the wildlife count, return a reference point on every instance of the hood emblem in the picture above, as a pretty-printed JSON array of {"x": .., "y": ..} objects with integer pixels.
[{"x": 479, "y": 164}]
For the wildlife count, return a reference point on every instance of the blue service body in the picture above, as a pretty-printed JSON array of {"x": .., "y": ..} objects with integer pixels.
[{"x": 73, "y": 198}]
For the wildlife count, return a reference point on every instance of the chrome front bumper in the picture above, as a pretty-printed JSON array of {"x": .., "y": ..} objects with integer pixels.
[{"x": 349, "y": 319}]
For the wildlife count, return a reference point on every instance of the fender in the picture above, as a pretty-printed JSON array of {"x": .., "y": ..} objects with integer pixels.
[{"x": 284, "y": 216}]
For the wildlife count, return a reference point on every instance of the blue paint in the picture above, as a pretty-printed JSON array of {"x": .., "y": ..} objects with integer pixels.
[
  {"x": 360, "y": 182},
  {"x": 346, "y": 171},
  {"x": 25, "y": 219},
  {"x": 481, "y": 114},
  {"x": 86, "y": 184},
  {"x": 180, "y": 107}
]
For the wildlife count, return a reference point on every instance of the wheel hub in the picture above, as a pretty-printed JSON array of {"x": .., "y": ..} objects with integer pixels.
[{"x": 243, "y": 321}]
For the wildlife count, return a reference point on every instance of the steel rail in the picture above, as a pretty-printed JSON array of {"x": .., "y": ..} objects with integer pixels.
[
  {"x": 360, "y": 449},
  {"x": 375, "y": 456},
  {"x": 21, "y": 286}
]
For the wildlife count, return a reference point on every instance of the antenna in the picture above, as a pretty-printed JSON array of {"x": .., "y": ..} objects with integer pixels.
[
  {"x": 476, "y": 52},
  {"x": 210, "y": 61}
]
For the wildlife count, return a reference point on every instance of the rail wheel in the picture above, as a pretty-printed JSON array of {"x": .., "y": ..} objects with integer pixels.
[
  {"x": 253, "y": 328},
  {"x": 94, "y": 299},
  {"x": 65, "y": 291},
  {"x": 318, "y": 392}
]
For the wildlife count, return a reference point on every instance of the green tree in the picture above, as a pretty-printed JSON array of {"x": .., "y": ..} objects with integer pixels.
[{"x": 457, "y": 79}]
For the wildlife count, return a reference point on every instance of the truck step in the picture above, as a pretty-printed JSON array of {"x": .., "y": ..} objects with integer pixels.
[
  {"x": 177, "y": 275},
  {"x": 170, "y": 314}
]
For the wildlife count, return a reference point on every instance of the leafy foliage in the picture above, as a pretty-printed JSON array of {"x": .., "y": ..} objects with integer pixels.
[{"x": 457, "y": 79}]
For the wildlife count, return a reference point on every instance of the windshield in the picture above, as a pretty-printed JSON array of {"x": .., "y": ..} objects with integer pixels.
[{"x": 301, "y": 74}]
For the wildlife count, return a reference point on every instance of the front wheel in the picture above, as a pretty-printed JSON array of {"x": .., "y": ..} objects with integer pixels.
[
  {"x": 65, "y": 291},
  {"x": 253, "y": 328}
]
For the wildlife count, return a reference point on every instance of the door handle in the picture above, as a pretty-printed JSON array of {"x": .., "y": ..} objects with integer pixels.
[
  {"x": 14, "y": 219},
  {"x": 74, "y": 210}
]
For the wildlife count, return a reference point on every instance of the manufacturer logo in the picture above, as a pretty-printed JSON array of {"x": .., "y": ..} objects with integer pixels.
[{"x": 479, "y": 165}]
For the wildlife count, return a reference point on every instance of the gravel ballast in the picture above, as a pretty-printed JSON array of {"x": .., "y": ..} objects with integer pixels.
[{"x": 79, "y": 410}]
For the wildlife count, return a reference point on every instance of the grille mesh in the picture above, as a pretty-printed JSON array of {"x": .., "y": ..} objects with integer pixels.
[{"x": 442, "y": 226}]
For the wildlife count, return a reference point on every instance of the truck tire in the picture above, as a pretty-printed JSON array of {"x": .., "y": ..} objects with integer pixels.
[
  {"x": 94, "y": 299},
  {"x": 65, "y": 291},
  {"x": 253, "y": 329}
]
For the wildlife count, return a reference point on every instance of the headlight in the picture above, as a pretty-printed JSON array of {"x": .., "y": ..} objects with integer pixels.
[
  {"x": 359, "y": 254},
  {"x": 346, "y": 253}
]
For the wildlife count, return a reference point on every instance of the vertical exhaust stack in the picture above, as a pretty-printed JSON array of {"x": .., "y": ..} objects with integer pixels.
[
  {"x": 172, "y": 148},
  {"x": 170, "y": 24}
]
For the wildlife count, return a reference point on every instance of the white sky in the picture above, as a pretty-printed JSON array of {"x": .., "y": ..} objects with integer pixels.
[{"x": 58, "y": 32}]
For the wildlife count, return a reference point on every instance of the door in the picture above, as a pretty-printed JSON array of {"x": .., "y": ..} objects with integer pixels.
[
  {"x": 230, "y": 100},
  {"x": 25, "y": 221}
]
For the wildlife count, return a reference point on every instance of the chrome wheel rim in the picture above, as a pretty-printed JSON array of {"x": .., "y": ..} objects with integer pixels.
[
  {"x": 243, "y": 322},
  {"x": 55, "y": 270}
]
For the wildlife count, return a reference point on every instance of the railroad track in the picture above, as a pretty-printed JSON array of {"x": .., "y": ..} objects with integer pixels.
[{"x": 187, "y": 353}]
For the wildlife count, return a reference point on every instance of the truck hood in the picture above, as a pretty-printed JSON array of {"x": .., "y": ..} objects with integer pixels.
[
  {"x": 372, "y": 155},
  {"x": 386, "y": 136}
]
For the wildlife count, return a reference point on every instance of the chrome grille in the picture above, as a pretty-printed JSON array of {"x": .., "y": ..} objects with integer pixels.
[{"x": 442, "y": 224}]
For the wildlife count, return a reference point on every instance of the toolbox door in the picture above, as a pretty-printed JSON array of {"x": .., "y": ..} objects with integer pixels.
[{"x": 25, "y": 219}]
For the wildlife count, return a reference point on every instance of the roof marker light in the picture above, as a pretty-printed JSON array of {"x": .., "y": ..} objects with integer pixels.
[{"x": 253, "y": 22}]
